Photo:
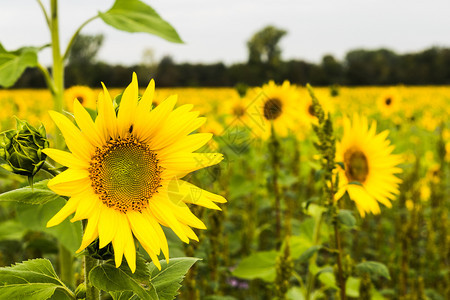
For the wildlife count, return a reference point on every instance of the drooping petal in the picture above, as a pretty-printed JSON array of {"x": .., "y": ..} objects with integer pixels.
[
  {"x": 64, "y": 212},
  {"x": 107, "y": 225}
]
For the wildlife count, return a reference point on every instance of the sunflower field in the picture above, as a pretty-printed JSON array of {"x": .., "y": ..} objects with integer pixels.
[
  {"x": 275, "y": 237},
  {"x": 278, "y": 191}
]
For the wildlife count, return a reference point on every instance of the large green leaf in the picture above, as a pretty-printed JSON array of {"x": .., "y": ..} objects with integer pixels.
[
  {"x": 258, "y": 265},
  {"x": 32, "y": 279},
  {"x": 146, "y": 283},
  {"x": 39, "y": 194},
  {"x": 374, "y": 268},
  {"x": 167, "y": 281},
  {"x": 136, "y": 16},
  {"x": 35, "y": 217},
  {"x": 121, "y": 280},
  {"x": 14, "y": 63}
]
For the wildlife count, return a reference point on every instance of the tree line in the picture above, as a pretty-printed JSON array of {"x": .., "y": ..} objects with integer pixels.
[{"x": 359, "y": 67}]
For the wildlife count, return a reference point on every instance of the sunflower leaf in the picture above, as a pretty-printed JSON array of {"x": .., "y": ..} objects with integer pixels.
[
  {"x": 346, "y": 217},
  {"x": 35, "y": 217},
  {"x": 258, "y": 265},
  {"x": 167, "y": 281},
  {"x": 14, "y": 63},
  {"x": 32, "y": 279},
  {"x": 108, "y": 278},
  {"x": 38, "y": 194},
  {"x": 374, "y": 268},
  {"x": 137, "y": 16}
]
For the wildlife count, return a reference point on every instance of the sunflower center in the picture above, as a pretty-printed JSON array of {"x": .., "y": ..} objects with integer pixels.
[
  {"x": 311, "y": 110},
  {"x": 272, "y": 109},
  {"x": 125, "y": 174},
  {"x": 388, "y": 101},
  {"x": 238, "y": 111},
  {"x": 356, "y": 166}
]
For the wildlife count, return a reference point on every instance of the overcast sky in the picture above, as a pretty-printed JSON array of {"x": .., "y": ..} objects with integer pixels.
[{"x": 218, "y": 30}]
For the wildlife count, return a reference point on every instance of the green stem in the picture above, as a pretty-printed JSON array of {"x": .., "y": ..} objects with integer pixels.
[
  {"x": 337, "y": 238},
  {"x": 65, "y": 257},
  {"x": 274, "y": 150},
  {"x": 47, "y": 77},
  {"x": 66, "y": 266},
  {"x": 58, "y": 67},
  {"x": 89, "y": 263},
  {"x": 74, "y": 36},
  {"x": 316, "y": 239},
  {"x": 47, "y": 19}
]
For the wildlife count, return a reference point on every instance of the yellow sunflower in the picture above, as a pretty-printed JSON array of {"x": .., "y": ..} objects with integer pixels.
[
  {"x": 370, "y": 167},
  {"x": 272, "y": 105},
  {"x": 389, "y": 102},
  {"x": 84, "y": 94},
  {"x": 124, "y": 172}
]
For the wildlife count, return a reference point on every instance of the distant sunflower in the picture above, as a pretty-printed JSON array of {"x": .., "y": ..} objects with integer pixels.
[
  {"x": 370, "y": 167},
  {"x": 84, "y": 94},
  {"x": 273, "y": 105},
  {"x": 124, "y": 172},
  {"x": 389, "y": 102}
]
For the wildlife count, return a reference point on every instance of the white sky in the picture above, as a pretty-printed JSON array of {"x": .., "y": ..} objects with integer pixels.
[{"x": 216, "y": 30}]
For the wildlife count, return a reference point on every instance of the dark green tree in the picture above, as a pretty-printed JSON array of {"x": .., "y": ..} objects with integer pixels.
[
  {"x": 82, "y": 58},
  {"x": 263, "y": 46}
]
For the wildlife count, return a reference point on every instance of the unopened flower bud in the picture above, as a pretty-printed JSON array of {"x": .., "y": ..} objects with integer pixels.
[{"x": 21, "y": 149}]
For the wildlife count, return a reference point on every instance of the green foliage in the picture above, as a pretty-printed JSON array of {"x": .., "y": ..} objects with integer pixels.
[
  {"x": 14, "y": 63},
  {"x": 136, "y": 16},
  {"x": 32, "y": 279},
  {"x": 11, "y": 230},
  {"x": 146, "y": 283},
  {"x": 374, "y": 268},
  {"x": 263, "y": 46},
  {"x": 35, "y": 217},
  {"x": 38, "y": 194},
  {"x": 258, "y": 265},
  {"x": 346, "y": 218},
  {"x": 167, "y": 281}
]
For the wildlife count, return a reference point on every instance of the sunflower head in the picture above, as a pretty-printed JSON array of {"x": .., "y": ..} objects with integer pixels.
[
  {"x": 389, "y": 102},
  {"x": 125, "y": 172},
  {"x": 272, "y": 105},
  {"x": 84, "y": 94},
  {"x": 369, "y": 167}
]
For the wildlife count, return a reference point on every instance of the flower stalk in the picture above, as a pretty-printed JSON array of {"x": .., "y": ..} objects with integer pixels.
[{"x": 327, "y": 149}]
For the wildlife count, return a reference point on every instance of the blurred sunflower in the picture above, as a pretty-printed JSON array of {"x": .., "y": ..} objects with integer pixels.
[
  {"x": 369, "y": 166},
  {"x": 124, "y": 172},
  {"x": 389, "y": 102},
  {"x": 84, "y": 94},
  {"x": 273, "y": 105}
]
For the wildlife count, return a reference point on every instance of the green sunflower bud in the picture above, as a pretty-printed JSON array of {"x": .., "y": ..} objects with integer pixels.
[{"x": 21, "y": 149}]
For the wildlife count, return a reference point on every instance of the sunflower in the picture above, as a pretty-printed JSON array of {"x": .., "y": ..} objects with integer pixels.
[
  {"x": 124, "y": 172},
  {"x": 369, "y": 166},
  {"x": 84, "y": 94},
  {"x": 389, "y": 102},
  {"x": 272, "y": 105}
]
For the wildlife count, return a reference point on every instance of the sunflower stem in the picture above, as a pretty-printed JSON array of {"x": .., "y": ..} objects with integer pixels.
[
  {"x": 89, "y": 263},
  {"x": 66, "y": 265},
  {"x": 58, "y": 66},
  {"x": 274, "y": 147},
  {"x": 337, "y": 238}
]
